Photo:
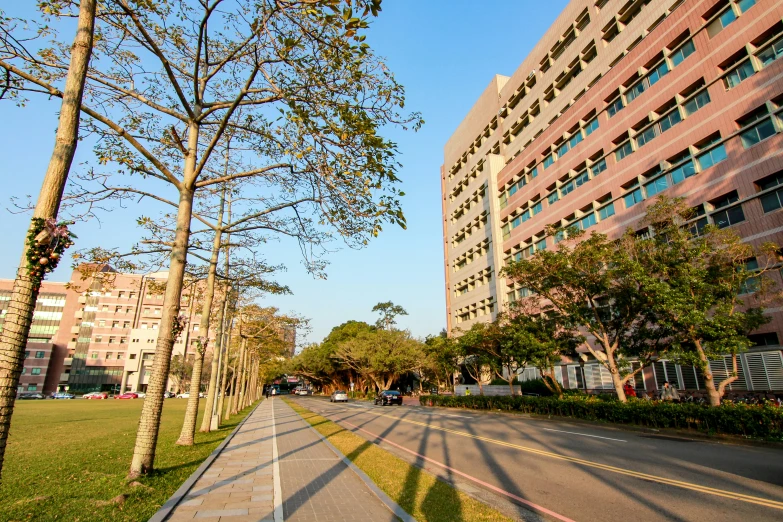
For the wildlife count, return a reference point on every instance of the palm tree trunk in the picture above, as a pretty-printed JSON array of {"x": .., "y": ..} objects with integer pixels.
[
  {"x": 186, "y": 436},
  {"x": 24, "y": 295}
]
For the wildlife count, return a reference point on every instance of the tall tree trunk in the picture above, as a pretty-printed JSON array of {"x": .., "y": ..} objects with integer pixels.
[
  {"x": 709, "y": 379},
  {"x": 617, "y": 381},
  {"x": 206, "y": 420},
  {"x": 19, "y": 316},
  {"x": 237, "y": 376},
  {"x": 223, "y": 381},
  {"x": 149, "y": 424},
  {"x": 186, "y": 437},
  {"x": 223, "y": 359}
]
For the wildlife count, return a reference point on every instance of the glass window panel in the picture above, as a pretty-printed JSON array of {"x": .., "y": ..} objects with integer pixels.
[
  {"x": 744, "y": 5},
  {"x": 581, "y": 179},
  {"x": 593, "y": 125},
  {"x": 656, "y": 186},
  {"x": 561, "y": 151},
  {"x": 541, "y": 245},
  {"x": 553, "y": 197},
  {"x": 548, "y": 161},
  {"x": 772, "y": 201},
  {"x": 658, "y": 73},
  {"x": 759, "y": 133},
  {"x": 534, "y": 172},
  {"x": 567, "y": 188},
  {"x": 682, "y": 53},
  {"x": 633, "y": 198},
  {"x": 587, "y": 221},
  {"x": 538, "y": 207},
  {"x": 634, "y": 92},
  {"x": 683, "y": 172},
  {"x": 771, "y": 53},
  {"x": 624, "y": 150},
  {"x": 598, "y": 167},
  {"x": 728, "y": 217},
  {"x": 646, "y": 136},
  {"x": 670, "y": 120},
  {"x": 697, "y": 102},
  {"x": 712, "y": 157},
  {"x": 738, "y": 75},
  {"x": 615, "y": 107},
  {"x": 606, "y": 212}
]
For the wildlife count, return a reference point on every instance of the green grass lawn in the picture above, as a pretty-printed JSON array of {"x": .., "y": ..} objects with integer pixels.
[{"x": 66, "y": 459}]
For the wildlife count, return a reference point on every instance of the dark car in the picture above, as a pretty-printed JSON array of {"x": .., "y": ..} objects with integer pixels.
[
  {"x": 169, "y": 395},
  {"x": 388, "y": 397},
  {"x": 30, "y": 396}
]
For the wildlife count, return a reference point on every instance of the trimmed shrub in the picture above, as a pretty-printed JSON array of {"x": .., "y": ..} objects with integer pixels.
[{"x": 763, "y": 422}]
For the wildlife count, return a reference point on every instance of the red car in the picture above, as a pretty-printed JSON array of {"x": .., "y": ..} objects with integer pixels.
[
  {"x": 96, "y": 395},
  {"x": 127, "y": 396}
]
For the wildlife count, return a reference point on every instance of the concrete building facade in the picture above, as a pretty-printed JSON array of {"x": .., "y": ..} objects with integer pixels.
[{"x": 621, "y": 101}]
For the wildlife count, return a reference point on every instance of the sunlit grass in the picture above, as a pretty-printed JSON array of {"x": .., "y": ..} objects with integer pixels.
[
  {"x": 419, "y": 493},
  {"x": 67, "y": 460}
]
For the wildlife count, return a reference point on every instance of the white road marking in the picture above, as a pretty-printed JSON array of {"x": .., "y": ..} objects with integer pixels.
[{"x": 585, "y": 435}]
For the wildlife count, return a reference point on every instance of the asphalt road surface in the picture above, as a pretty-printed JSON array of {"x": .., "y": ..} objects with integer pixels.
[{"x": 574, "y": 471}]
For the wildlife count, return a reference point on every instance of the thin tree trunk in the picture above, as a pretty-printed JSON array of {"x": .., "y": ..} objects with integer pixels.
[
  {"x": 186, "y": 437},
  {"x": 149, "y": 424},
  {"x": 237, "y": 376},
  {"x": 223, "y": 360},
  {"x": 207, "y": 418},
  {"x": 617, "y": 381},
  {"x": 223, "y": 381},
  {"x": 19, "y": 316}
]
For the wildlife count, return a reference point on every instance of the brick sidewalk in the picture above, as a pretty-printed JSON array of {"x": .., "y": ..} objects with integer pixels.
[
  {"x": 314, "y": 483},
  {"x": 317, "y": 485},
  {"x": 239, "y": 485}
]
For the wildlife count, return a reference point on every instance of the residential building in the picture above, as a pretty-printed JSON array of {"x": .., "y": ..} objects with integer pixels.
[{"x": 618, "y": 102}]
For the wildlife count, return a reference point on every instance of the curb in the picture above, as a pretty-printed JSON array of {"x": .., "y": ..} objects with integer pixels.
[
  {"x": 166, "y": 509},
  {"x": 392, "y": 505}
]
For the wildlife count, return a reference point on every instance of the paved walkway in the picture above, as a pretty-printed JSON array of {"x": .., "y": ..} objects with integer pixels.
[{"x": 276, "y": 459}]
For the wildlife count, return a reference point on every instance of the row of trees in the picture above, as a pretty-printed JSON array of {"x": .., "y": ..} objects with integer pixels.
[
  {"x": 679, "y": 291},
  {"x": 250, "y": 121}
]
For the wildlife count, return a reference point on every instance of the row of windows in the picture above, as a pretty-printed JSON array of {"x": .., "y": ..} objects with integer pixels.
[
  {"x": 33, "y": 371},
  {"x": 468, "y": 257},
  {"x": 742, "y": 66},
  {"x": 480, "y": 279},
  {"x": 725, "y": 13},
  {"x": 111, "y": 355}
]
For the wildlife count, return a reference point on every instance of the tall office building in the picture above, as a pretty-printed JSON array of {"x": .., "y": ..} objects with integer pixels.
[{"x": 620, "y": 101}]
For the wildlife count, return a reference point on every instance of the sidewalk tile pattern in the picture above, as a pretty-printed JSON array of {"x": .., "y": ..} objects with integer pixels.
[{"x": 317, "y": 485}]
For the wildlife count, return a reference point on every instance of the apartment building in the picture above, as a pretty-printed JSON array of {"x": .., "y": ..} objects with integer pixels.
[
  {"x": 621, "y": 100},
  {"x": 99, "y": 333},
  {"x": 44, "y": 370}
]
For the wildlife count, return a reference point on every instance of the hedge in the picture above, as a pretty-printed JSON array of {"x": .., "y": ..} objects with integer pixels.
[{"x": 763, "y": 422}]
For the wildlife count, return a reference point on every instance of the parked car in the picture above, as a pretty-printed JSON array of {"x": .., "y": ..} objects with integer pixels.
[
  {"x": 388, "y": 397},
  {"x": 303, "y": 391},
  {"x": 95, "y": 395},
  {"x": 185, "y": 395},
  {"x": 30, "y": 396},
  {"x": 140, "y": 395},
  {"x": 63, "y": 395},
  {"x": 128, "y": 395},
  {"x": 338, "y": 396},
  {"x": 169, "y": 395}
]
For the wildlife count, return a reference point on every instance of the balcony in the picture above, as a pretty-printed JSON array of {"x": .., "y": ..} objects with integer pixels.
[
  {"x": 68, "y": 361},
  {"x": 75, "y": 329},
  {"x": 82, "y": 299},
  {"x": 79, "y": 314},
  {"x": 71, "y": 345}
]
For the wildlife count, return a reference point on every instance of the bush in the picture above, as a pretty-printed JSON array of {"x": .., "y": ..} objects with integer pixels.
[
  {"x": 763, "y": 422},
  {"x": 535, "y": 386}
]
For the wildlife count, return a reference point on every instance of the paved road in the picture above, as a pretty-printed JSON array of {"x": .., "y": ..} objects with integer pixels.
[{"x": 576, "y": 471}]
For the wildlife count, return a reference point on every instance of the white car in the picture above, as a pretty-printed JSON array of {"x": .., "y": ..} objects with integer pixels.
[
  {"x": 339, "y": 396},
  {"x": 185, "y": 395},
  {"x": 141, "y": 395}
]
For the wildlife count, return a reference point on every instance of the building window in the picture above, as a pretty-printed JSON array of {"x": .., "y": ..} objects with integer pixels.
[
  {"x": 633, "y": 198},
  {"x": 760, "y": 131},
  {"x": 119, "y": 355},
  {"x": 771, "y": 53},
  {"x": 32, "y": 387},
  {"x": 712, "y": 157},
  {"x": 98, "y": 338},
  {"x": 646, "y": 136},
  {"x": 682, "y": 53},
  {"x": 123, "y": 340},
  {"x": 541, "y": 245},
  {"x": 724, "y": 20},
  {"x": 548, "y": 161},
  {"x": 109, "y": 355},
  {"x": 741, "y": 73},
  {"x": 35, "y": 371},
  {"x": 606, "y": 212},
  {"x": 615, "y": 106},
  {"x": 598, "y": 167},
  {"x": 751, "y": 284},
  {"x": 772, "y": 200},
  {"x": 697, "y": 102},
  {"x": 132, "y": 356},
  {"x": 683, "y": 172},
  {"x": 538, "y": 207},
  {"x": 764, "y": 339},
  {"x": 729, "y": 215},
  {"x": 112, "y": 340},
  {"x": 115, "y": 324},
  {"x": 624, "y": 150},
  {"x": 587, "y": 221},
  {"x": 101, "y": 323},
  {"x": 93, "y": 355},
  {"x": 654, "y": 187},
  {"x": 553, "y": 198},
  {"x": 591, "y": 126},
  {"x": 26, "y": 354},
  {"x": 39, "y": 355},
  {"x": 132, "y": 295},
  {"x": 24, "y": 371}
]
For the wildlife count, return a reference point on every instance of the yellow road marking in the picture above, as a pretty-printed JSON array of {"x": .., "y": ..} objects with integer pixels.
[{"x": 622, "y": 471}]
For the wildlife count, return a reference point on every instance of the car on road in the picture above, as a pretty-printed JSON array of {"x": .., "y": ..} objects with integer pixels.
[
  {"x": 185, "y": 395},
  {"x": 169, "y": 395},
  {"x": 62, "y": 395},
  {"x": 129, "y": 395},
  {"x": 301, "y": 391},
  {"x": 338, "y": 396},
  {"x": 388, "y": 397},
  {"x": 30, "y": 396},
  {"x": 95, "y": 395},
  {"x": 140, "y": 395}
]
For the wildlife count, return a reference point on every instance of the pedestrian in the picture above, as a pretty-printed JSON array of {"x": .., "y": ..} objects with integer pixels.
[
  {"x": 670, "y": 393},
  {"x": 629, "y": 390},
  {"x": 467, "y": 392},
  {"x": 267, "y": 391}
]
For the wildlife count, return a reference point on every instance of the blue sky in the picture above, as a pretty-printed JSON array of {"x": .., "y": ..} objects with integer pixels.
[{"x": 444, "y": 52}]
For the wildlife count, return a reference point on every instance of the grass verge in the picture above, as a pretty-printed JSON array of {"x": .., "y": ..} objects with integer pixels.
[
  {"x": 419, "y": 493},
  {"x": 67, "y": 460}
]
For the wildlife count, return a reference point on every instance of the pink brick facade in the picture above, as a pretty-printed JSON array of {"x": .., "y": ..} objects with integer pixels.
[{"x": 701, "y": 84}]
